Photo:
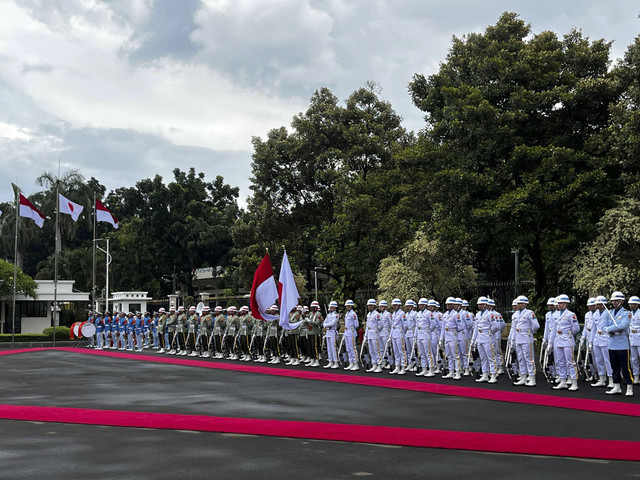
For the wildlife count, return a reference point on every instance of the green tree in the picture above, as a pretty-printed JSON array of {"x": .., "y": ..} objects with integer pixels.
[
  {"x": 610, "y": 261},
  {"x": 24, "y": 283},
  {"x": 427, "y": 267},
  {"x": 515, "y": 122}
]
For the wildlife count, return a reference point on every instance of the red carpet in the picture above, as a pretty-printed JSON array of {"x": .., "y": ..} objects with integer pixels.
[
  {"x": 599, "y": 406},
  {"x": 484, "y": 442}
]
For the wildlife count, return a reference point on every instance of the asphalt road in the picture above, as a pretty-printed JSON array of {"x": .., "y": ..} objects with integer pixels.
[{"x": 65, "y": 451}]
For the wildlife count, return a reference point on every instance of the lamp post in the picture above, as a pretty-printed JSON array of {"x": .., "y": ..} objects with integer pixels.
[{"x": 516, "y": 252}]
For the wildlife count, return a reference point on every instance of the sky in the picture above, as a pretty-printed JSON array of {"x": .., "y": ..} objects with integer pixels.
[{"x": 126, "y": 89}]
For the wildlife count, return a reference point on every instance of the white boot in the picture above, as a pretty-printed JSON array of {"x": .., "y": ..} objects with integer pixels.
[
  {"x": 430, "y": 373},
  {"x": 395, "y": 370},
  {"x": 172, "y": 352},
  {"x": 457, "y": 376},
  {"x": 562, "y": 385},
  {"x": 493, "y": 378},
  {"x": 348, "y": 367},
  {"x": 600, "y": 383},
  {"x": 574, "y": 385},
  {"x": 615, "y": 390},
  {"x": 500, "y": 370},
  {"x": 402, "y": 371},
  {"x": 160, "y": 351},
  {"x": 531, "y": 381},
  {"x": 629, "y": 391},
  {"x": 467, "y": 372},
  {"x": 316, "y": 363},
  {"x": 335, "y": 365},
  {"x": 610, "y": 382},
  {"x": 521, "y": 381},
  {"x": 373, "y": 367},
  {"x": 636, "y": 379},
  {"x": 378, "y": 369},
  {"x": 354, "y": 367},
  {"x": 422, "y": 372},
  {"x": 328, "y": 365},
  {"x": 276, "y": 360},
  {"x": 448, "y": 375},
  {"x": 483, "y": 378}
]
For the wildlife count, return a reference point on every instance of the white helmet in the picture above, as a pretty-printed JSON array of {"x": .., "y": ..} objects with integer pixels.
[
  {"x": 423, "y": 301},
  {"x": 450, "y": 300},
  {"x": 315, "y": 304},
  {"x": 591, "y": 302},
  {"x": 458, "y": 301},
  {"x": 433, "y": 303},
  {"x": 333, "y": 304},
  {"x": 383, "y": 303},
  {"x": 409, "y": 303},
  {"x": 522, "y": 299},
  {"x": 465, "y": 303},
  {"x": 396, "y": 301},
  {"x": 563, "y": 299},
  {"x": 349, "y": 303},
  {"x": 551, "y": 301},
  {"x": 617, "y": 296},
  {"x": 482, "y": 300},
  {"x": 634, "y": 299},
  {"x": 371, "y": 302},
  {"x": 601, "y": 299},
  {"x": 491, "y": 302}
]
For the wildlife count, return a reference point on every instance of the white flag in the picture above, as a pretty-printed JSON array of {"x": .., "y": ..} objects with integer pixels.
[
  {"x": 288, "y": 293},
  {"x": 69, "y": 207}
]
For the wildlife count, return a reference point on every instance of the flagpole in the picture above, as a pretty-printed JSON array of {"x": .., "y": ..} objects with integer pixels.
[
  {"x": 15, "y": 268},
  {"x": 93, "y": 288},
  {"x": 55, "y": 266}
]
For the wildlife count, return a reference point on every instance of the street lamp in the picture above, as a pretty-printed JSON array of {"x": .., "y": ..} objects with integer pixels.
[{"x": 516, "y": 252}]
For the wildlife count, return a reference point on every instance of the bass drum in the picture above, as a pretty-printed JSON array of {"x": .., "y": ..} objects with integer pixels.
[
  {"x": 75, "y": 330},
  {"x": 88, "y": 329}
]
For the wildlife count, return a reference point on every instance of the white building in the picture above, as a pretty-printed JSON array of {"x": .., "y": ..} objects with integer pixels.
[
  {"x": 33, "y": 316},
  {"x": 129, "y": 302}
]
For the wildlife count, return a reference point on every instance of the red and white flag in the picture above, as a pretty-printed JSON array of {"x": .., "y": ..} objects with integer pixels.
[
  {"x": 264, "y": 291},
  {"x": 27, "y": 210},
  {"x": 69, "y": 207},
  {"x": 288, "y": 293},
  {"x": 104, "y": 215}
]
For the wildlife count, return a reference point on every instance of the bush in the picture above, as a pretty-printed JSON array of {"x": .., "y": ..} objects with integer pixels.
[
  {"x": 24, "y": 337},
  {"x": 62, "y": 333}
]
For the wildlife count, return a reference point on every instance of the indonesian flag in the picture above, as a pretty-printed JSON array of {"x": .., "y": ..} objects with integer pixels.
[
  {"x": 264, "y": 291},
  {"x": 27, "y": 210},
  {"x": 104, "y": 215},
  {"x": 288, "y": 293},
  {"x": 67, "y": 206}
]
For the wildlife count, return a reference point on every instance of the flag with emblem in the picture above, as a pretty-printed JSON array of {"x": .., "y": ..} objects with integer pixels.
[{"x": 69, "y": 207}]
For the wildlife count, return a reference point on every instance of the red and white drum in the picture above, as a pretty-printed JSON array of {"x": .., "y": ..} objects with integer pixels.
[{"x": 87, "y": 329}]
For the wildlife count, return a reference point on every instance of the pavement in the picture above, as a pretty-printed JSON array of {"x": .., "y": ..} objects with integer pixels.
[{"x": 78, "y": 379}]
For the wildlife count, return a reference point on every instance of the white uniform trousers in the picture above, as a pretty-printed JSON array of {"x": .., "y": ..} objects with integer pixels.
[
  {"x": 350, "y": 345},
  {"x": 399, "y": 353},
  {"x": 332, "y": 352},
  {"x": 526, "y": 365},
  {"x": 375, "y": 349},
  {"x": 424, "y": 348},
  {"x": 635, "y": 360},
  {"x": 565, "y": 363},
  {"x": 487, "y": 357},
  {"x": 602, "y": 361},
  {"x": 453, "y": 357}
]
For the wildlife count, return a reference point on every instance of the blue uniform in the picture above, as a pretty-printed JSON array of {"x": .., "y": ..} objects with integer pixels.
[{"x": 616, "y": 324}]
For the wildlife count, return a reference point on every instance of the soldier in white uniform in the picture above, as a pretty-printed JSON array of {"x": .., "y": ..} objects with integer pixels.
[
  {"x": 452, "y": 326},
  {"x": 435, "y": 324},
  {"x": 397, "y": 338},
  {"x": 372, "y": 335},
  {"x": 523, "y": 325},
  {"x": 350, "y": 335},
  {"x": 464, "y": 335},
  {"x": 483, "y": 339},
  {"x": 385, "y": 332},
  {"x": 599, "y": 344},
  {"x": 585, "y": 344},
  {"x": 549, "y": 325},
  {"x": 562, "y": 338},
  {"x": 409, "y": 333},
  {"x": 330, "y": 325},
  {"x": 497, "y": 336},
  {"x": 423, "y": 337},
  {"x": 634, "y": 337}
]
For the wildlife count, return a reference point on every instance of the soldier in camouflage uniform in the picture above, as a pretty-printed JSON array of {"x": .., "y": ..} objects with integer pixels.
[
  {"x": 219, "y": 327},
  {"x": 192, "y": 329},
  {"x": 171, "y": 330},
  {"x": 314, "y": 331},
  {"x": 206, "y": 323},
  {"x": 272, "y": 337},
  {"x": 245, "y": 331},
  {"x": 231, "y": 332}
]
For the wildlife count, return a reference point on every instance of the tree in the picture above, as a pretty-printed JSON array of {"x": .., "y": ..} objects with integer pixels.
[
  {"x": 515, "y": 121},
  {"x": 24, "y": 283},
  {"x": 610, "y": 261},
  {"x": 427, "y": 267}
]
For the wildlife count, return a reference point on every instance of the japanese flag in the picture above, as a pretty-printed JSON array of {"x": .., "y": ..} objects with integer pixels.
[{"x": 67, "y": 206}]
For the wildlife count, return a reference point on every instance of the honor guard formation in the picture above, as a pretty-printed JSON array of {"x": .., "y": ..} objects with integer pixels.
[{"x": 409, "y": 337}]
